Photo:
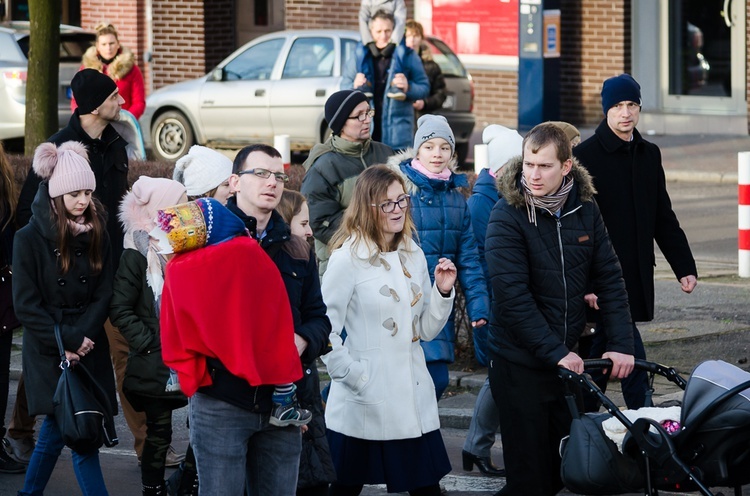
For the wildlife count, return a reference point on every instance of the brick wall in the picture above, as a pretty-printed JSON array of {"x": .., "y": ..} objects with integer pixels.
[
  {"x": 595, "y": 45},
  {"x": 495, "y": 98},
  {"x": 327, "y": 14},
  {"x": 179, "y": 41},
  {"x": 220, "y": 40}
]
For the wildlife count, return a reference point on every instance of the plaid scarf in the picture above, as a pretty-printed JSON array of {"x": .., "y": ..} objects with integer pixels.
[{"x": 551, "y": 203}]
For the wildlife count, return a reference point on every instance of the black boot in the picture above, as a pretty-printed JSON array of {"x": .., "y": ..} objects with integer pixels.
[
  {"x": 156, "y": 490},
  {"x": 183, "y": 482},
  {"x": 483, "y": 463},
  {"x": 8, "y": 465}
]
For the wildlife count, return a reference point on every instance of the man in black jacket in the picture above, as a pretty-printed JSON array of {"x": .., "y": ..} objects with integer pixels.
[
  {"x": 546, "y": 243},
  {"x": 632, "y": 195}
]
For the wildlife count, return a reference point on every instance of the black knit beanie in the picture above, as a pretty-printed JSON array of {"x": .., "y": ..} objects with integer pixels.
[
  {"x": 622, "y": 88},
  {"x": 90, "y": 89},
  {"x": 339, "y": 106}
]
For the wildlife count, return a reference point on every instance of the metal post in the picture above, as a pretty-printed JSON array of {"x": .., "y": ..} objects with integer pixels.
[{"x": 743, "y": 217}]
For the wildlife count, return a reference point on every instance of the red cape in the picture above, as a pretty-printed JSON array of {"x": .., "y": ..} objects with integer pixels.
[{"x": 227, "y": 301}]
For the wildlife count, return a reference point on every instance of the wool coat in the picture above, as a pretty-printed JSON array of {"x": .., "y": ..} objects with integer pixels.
[
  {"x": 380, "y": 386},
  {"x": 109, "y": 161},
  {"x": 43, "y": 296},
  {"x": 632, "y": 195},
  {"x": 443, "y": 223},
  {"x": 540, "y": 274}
]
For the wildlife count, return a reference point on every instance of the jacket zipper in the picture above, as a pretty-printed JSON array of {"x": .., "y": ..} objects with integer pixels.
[{"x": 562, "y": 261}]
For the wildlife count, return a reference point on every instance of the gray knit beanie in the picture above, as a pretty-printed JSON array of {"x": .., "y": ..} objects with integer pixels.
[{"x": 433, "y": 126}]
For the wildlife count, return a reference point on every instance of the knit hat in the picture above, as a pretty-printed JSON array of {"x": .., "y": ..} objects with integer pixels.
[
  {"x": 570, "y": 130},
  {"x": 90, "y": 89},
  {"x": 202, "y": 170},
  {"x": 66, "y": 167},
  {"x": 618, "y": 89},
  {"x": 433, "y": 126},
  {"x": 155, "y": 193},
  {"x": 502, "y": 145},
  {"x": 339, "y": 106},
  {"x": 199, "y": 223}
]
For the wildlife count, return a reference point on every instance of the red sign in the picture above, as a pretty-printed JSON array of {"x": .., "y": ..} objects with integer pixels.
[{"x": 477, "y": 27}]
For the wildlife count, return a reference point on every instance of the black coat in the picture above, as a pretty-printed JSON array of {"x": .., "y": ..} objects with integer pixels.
[
  {"x": 632, "y": 195},
  {"x": 437, "y": 82},
  {"x": 540, "y": 274},
  {"x": 109, "y": 161},
  {"x": 42, "y": 296},
  {"x": 296, "y": 262}
]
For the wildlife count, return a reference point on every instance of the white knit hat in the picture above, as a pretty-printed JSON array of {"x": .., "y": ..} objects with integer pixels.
[
  {"x": 202, "y": 170},
  {"x": 503, "y": 144}
]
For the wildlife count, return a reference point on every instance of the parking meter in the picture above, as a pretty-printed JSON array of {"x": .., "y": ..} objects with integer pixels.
[{"x": 538, "y": 62}]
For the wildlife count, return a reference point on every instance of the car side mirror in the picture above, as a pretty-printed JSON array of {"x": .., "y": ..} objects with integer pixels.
[{"x": 217, "y": 74}]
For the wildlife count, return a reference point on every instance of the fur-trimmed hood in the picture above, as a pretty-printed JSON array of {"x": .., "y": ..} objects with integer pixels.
[
  {"x": 509, "y": 183},
  {"x": 118, "y": 69},
  {"x": 394, "y": 162}
]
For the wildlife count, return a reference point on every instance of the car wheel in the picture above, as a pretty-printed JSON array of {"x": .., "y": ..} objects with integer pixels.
[
  {"x": 172, "y": 135},
  {"x": 462, "y": 151}
]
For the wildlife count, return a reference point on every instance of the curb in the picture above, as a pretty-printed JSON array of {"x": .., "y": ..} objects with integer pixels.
[{"x": 701, "y": 176}]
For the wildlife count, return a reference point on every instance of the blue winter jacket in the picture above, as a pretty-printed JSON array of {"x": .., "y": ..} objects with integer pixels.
[
  {"x": 397, "y": 119},
  {"x": 443, "y": 224},
  {"x": 483, "y": 197}
]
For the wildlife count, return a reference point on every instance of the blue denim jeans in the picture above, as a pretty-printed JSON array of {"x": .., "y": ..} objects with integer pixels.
[
  {"x": 233, "y": 446},
  {"x": 484, "y": 423},
  {"x": 48, "y": 447}
]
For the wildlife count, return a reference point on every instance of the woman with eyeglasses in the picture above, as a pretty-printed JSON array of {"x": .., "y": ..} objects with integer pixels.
[
  {"x": 443, "y": 224},
  {"x": 382, "y": 415}
]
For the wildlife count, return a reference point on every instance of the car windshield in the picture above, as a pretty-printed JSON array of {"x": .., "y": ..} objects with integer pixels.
[
  {"x": 72, "y": 46},
  {"x": 255, "y": 63},
  {"x": 446, "y": 59}
]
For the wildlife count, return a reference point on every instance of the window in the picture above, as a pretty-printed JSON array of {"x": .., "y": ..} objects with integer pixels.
[
  {"x": 310, "y": 57},
  {"x": 255, "y": 63},
  {"x": 446, "y": 59},
  {"x": 347, "y": 50}
]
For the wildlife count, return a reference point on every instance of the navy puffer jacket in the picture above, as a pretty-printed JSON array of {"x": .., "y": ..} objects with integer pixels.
[
  {"x": 443, "y": 224},
  {"x": 540, "y": 274}
]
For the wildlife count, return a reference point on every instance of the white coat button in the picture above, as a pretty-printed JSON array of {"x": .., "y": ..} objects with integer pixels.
[{"x": 364, "y": 378}]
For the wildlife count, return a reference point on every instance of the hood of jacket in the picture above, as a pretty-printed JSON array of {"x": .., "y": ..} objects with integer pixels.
[
  {"x": 486, "y": 185},
  {"x": 416, "y": 181},
  {"x": 509, "y": 182},
  {"x": 118, "y": 69}
]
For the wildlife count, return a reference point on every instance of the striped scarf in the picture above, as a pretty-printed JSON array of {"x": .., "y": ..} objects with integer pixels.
[{"x": 551, "y": 203}]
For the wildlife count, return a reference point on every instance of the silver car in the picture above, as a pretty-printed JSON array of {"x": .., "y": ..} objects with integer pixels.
[
  {"x": 277, "y": 84},
  {"x": 14, "y": 50}
]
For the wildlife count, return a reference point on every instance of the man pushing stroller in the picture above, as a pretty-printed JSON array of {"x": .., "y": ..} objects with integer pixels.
[{"x": 546, "y": 248}]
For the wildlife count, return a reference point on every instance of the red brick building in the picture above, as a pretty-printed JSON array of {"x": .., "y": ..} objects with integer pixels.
[{"x": 689, "y": 56}]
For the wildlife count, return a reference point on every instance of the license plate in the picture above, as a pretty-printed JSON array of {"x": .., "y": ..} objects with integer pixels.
[{"x": 448, "y": 103}]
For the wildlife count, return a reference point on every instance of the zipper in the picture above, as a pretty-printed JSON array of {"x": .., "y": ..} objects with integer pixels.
[{"x": 562, "y": 261}]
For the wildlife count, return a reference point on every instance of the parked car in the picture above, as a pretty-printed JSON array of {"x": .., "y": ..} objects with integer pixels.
[
  {"x": 278, "y": 84},
  {"x": 14, "y": 51}
]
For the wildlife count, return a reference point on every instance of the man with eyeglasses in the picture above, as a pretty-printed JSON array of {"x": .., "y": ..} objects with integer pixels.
[
  {"x": 273, "y": 459},
  {"x": 333, "y": 167},
  {"x": 632, "y": 195}
]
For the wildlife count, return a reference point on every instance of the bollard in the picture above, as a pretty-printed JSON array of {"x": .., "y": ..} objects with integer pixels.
[
  {"x": 743, "y": 217},
  {"x": 481, "y": 157},
  {"x": 281, "y": 143}
]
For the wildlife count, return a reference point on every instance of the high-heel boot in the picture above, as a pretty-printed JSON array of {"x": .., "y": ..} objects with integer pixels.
[
  {"x": 155, "y": 490},
  {"x": 483, "y": 463}
]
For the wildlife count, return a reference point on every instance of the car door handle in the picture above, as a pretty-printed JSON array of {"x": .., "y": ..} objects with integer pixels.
[
  {"x": 260, "y": 92},
  {"x": 320, "y": 92}
]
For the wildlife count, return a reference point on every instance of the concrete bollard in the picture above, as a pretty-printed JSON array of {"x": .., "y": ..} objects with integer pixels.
[
  {"x": 743, "y": 217},
  {"x": 481, "y": 157},
  {"x": 282, "y": 144}
]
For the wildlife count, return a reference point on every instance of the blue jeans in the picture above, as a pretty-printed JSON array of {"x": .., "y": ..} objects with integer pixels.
[
  {"x": 48, "y": 447},
  {"x": 484, "y": 423},
  {"x": 233, "y": 446}
]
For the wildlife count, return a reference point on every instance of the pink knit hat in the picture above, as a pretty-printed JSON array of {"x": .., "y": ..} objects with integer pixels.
[{"x": 65, "y": 167}]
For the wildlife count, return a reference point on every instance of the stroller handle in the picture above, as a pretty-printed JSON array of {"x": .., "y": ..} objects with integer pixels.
[{"x": 655, "y": 368}]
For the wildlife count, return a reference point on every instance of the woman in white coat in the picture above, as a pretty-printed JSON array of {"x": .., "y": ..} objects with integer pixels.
[{"x": 382, "y": 415}]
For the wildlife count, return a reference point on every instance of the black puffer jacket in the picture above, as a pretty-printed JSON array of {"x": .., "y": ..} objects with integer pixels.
[{"x": 540, "y": 273}]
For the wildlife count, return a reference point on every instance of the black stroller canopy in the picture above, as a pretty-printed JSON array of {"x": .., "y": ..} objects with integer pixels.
[{"x": 708, "y": 382}]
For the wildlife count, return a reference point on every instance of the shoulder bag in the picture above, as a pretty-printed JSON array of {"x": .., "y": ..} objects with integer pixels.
[{"x": 81, "y": 407}]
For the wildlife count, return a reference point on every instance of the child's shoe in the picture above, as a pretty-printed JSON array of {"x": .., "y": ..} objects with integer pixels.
[
  {"x": 396, "y": 93},
  {"x": 286, "y": 411},
  {"x": 366, "y": 89}
]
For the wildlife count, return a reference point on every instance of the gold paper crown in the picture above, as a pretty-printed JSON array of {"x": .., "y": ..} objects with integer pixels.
[{"x": 185, "y": 226}]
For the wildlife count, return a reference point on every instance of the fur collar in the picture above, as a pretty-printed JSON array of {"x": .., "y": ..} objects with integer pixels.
[
  {"x": 509, "y": 182},
  {"x": 394, "y": 162},
  {"x": 118, "y": 69}
]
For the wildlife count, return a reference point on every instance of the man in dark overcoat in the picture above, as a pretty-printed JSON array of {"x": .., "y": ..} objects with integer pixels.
[{"x": 632, "y": 195}]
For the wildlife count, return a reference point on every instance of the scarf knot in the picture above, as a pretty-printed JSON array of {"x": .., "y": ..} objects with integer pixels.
[{"x": 552, "y": 202}]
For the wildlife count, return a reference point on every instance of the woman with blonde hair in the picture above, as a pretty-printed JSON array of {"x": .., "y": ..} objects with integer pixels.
[
  {"x": 109, "y": 57},
  {"x": 381, "y": 414}
]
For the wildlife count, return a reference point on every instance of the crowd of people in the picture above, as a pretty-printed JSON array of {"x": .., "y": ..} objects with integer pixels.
[{"x": 205, "y": 290}]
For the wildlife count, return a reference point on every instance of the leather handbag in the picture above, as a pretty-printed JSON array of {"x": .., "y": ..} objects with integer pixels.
[
  {"x": 8, "y": 319},
  {"x": 81, "y": 407}
]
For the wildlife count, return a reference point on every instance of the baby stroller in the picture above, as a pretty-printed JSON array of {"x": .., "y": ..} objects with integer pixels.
[{"x": 711, "y": 448}]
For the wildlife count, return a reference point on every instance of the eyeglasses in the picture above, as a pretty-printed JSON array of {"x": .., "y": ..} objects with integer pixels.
[
  {"x": 265, "y": 174},
  {"x": 388, "y": 207},
  {"x": 363, "y": 115}
]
